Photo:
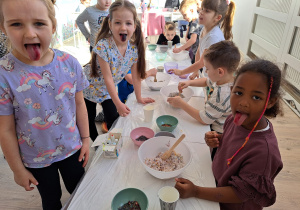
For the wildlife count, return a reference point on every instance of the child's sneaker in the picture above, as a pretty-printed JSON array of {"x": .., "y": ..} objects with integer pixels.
[
  {"x": 104, "y": 127},
  {"x": 99, "y": 117}
]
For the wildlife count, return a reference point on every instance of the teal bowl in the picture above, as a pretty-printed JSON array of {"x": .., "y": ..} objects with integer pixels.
[
  {"x": 161, "y": 56},
  {"x": 129, "y": 194},
  {"x": 167, "y": 123},
  {"x": 152, "y": 46}
]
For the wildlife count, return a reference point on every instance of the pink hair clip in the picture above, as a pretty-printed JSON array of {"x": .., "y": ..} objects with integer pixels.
[{"x": 227, "y": 2}]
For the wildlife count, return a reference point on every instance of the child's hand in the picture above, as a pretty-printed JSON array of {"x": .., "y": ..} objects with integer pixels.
[
  {"x": 212, "y": 139},
  {"x": 194, "y": 75},
  {"x": 176, "y": 50},
  {"x": 185, "y": 187},
  {"x": 182, "y": 85},
  {"x": 151, "y": 72},
  {"x": 25, "y": 178},
  {"x": 175, "y": 101},
  {"x": 145, "y": 100},
  {"x": 123, "y": 110},
  {"x": 174, "y": 71},
  {"x": 85, "y": 151}
]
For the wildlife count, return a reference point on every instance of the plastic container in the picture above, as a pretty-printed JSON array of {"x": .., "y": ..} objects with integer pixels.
[
  {"x": 162, "y": 81},
  {"x": 182, "y": 55},
  {"x": 137, "y": 132},
  {"x": 185, "y": 75},
  {"x": 170, "y": 65},
  {"x": 152, "y": 46},
  {"x": 160, "y": 56},
  {"x": 152, "y": 147},
  {"x": 163, "y": 48},
  {"x": 186, "y": 92},
  {"x": 164, "y": 133},
  {"x": 129, "y": 194},
  {"x": 169, "y": 120}
]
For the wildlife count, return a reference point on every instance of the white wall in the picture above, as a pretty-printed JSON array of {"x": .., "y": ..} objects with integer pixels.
[{"x": 242, "y": 24}]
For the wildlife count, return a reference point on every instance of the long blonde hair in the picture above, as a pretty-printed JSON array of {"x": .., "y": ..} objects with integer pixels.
[
  {"x": 136, "y": 39},
  {"x": 227, "y": 12}
]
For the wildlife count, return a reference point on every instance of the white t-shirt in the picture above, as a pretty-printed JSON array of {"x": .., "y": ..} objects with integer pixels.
[{"x": 213, "y": 36}]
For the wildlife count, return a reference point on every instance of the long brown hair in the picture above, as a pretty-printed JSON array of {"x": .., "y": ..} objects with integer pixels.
[
  {"x": 136, "y": 39},
  {"x": 227, "y": 12}
]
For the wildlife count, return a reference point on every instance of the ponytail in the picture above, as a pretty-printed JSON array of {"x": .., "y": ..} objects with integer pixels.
[
  {"x": 227, "y": 23},
  {"x": 139, "y": 42},
  {"x": 103, "y": 33}
]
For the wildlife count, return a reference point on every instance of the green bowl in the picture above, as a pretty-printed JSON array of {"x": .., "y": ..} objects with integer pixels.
[
  {"x": 167, "y": 119},
  {"x": 152, "y": 46},
  {"x": 129, "y": 194},
  {"x": 161, "y": 56}
]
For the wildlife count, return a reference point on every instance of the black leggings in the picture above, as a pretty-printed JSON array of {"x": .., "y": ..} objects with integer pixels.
[
  {"x": 91, "y": 108},
  {"x": 71, "y": 171},
  {"x": 109, "y": 111}
]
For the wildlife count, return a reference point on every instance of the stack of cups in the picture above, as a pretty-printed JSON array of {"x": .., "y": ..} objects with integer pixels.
[
  {"x": 170, "y": 43},
  {"x": 168, "y": 197},
  {"x": 148, "y": 112}
]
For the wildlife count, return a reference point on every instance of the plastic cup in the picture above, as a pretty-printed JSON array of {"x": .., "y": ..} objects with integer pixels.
[
  {"x": 148, "y": 112},
  {"x": 160, "y": 69},
  {"x": 168, "y": 197},
  {"x": 170, "y": 43}
]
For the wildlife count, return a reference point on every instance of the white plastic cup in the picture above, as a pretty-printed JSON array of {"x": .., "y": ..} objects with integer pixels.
[
  {"x": 168, "y": 197},
  {"x": 170, "y": 43},
  {"x": 148, "y": 112}
]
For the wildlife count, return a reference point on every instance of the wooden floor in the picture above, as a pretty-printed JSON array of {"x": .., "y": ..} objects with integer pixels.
[{"x": 13, "y": 197}]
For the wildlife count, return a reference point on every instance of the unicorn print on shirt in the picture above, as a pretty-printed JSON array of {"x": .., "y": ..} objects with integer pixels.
[
  {"x": 40, "y": 81},
  {"x": 22, "y": 138},
  {"x": 7, "y": 65},
  {"x": 66, "y": 88},
  {"x": 4, "y": 97},
  {"x": 53, "y": 117},
  {"x": 49, "y": 153}
]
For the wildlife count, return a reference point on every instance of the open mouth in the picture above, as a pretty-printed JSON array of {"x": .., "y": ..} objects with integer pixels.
[
  {"x": 123, "y": 37},
  {"x": 239, "y": 118},
  {"x": 33, "y": 51}
]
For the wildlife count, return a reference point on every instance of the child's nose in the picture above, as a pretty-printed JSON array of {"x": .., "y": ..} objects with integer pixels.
[
  {"x": 30, "y": 32},
  {"x": 244, "y": 102}
]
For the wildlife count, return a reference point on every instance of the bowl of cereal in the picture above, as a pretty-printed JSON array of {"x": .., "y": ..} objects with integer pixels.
[
  {"x": 130, "y": 198},
  {"x": 162, "y": 80},
  {"x": 167, "y": 123},
  {"x": 141, "y": 134},
  {"x": 150, "y": 152},
  {"x": 172, "y": 91}
]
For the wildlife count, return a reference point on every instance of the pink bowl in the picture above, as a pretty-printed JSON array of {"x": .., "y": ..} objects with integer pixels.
[{"x": 137, "y": 132}]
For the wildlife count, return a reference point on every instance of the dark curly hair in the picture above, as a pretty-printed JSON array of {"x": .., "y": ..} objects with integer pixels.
[{"x": 268, "y": 69}]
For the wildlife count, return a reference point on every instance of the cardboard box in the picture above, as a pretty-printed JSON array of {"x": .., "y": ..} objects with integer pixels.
[{"x": 113, "y": 150}]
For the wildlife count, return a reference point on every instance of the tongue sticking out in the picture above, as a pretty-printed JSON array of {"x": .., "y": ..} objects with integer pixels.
[
  {"x": 33, "y": 51},
  {"x": 123, "y": 37},
  {"x": 239, "y": 118}
]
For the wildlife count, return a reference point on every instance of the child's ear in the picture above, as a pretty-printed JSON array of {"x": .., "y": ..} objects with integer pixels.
[
  {"x": 272, "y": 102},
  {"x": 218, "y": 17},
  {"x": 221, "y": 72}
]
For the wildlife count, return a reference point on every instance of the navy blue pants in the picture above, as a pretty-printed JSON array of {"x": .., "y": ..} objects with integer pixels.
[{"x": 71, "y": 171}]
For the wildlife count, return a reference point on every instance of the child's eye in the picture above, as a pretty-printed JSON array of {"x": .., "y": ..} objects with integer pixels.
[
  {"x": 129, "y": 24},
  {"x": 117, "y": 22},
  {"x": 39, "y": 24},
  {"x": 238, "y": 93},
  {"x": 16, "y": 24},
  {"x": 256, "y": 98}
]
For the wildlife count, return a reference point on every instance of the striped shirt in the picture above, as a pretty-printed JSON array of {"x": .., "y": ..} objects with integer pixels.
[{"x": 217, "y": 107}]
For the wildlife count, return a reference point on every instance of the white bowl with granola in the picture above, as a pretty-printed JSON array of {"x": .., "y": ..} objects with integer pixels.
[
  {"x": 149, "y": 153},
  {"x": 172, "y": 91}
]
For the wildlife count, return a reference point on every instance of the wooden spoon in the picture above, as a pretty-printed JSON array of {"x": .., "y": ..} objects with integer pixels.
[
  {"x": 155, "y": 80},
  {"x": 168, "y": 153}
]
